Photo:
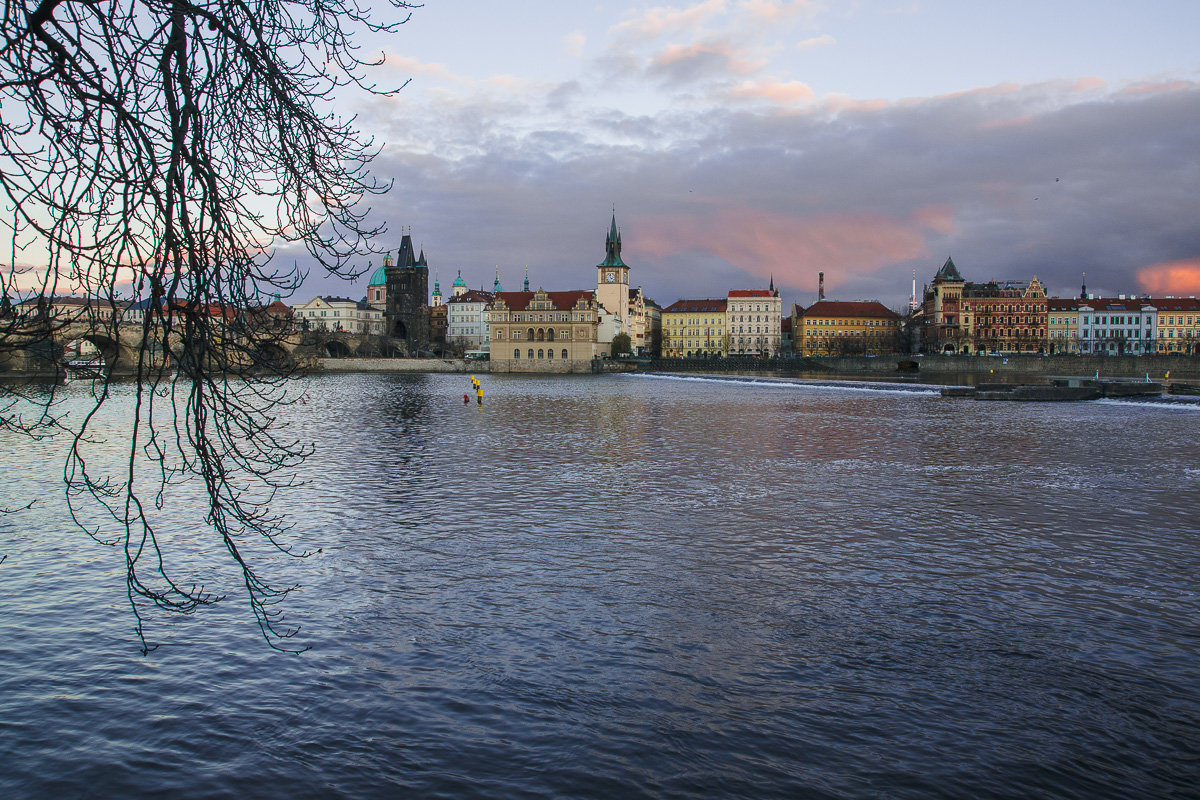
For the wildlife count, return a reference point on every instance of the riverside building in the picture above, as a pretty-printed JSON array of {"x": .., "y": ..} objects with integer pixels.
[
  {"x": 754, "y": 317},
  {"x": 544, "y": 331},
  {"x": 836, "y": 328},
  {"x": 695, "y": 328}
]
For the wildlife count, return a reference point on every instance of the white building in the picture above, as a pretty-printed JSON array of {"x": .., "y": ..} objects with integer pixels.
[
  {"x": 1117, "y": 326},
  {"x": 339, "y": 314},
  {"x": 754, "y": 322},
  {"x": 467, "y": 319}
]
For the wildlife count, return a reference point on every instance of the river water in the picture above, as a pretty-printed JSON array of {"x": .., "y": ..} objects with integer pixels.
[{"x": 631, "y": 586}]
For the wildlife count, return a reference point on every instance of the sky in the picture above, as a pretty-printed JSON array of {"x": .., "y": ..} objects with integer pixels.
[{"x": 745, "y": 141}]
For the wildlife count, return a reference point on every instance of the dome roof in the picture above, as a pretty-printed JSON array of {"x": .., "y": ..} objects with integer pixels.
[
  {"x": 378, "y": 278},
  {"x": 459, "y": 280}
]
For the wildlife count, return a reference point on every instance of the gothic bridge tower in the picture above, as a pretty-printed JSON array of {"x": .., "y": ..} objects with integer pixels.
[{"x": 407, "y": 314}]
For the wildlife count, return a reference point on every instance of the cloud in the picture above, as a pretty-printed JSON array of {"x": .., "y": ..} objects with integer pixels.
[
  {"x": 716, "y": 195},
  {"x": 775, "y": 11},
  {"x": 1176, "y": 278},
  {"x": 686, "y": 64},
  {"x": 782, "y": 92},
  {"x": 662, "y": 21},
  {"x": 816, "y": 41},
  {"x": 573, "y": 44}
]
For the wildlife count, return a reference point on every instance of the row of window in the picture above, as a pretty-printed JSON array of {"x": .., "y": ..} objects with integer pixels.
[
  {"x": 546, "y": 354},
  {"x": 540, "y": 335}
]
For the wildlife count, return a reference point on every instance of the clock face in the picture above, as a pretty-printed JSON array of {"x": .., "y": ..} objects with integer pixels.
[{"x": 610, "y": 277}]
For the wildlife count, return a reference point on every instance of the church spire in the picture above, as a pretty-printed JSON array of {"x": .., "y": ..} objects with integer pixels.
[
  {"x": 612, "y": 246},
  {"x": 526, "y": 278}
]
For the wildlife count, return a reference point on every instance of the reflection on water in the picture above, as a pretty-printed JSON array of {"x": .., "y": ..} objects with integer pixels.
[{"x": 634, "y": 586}]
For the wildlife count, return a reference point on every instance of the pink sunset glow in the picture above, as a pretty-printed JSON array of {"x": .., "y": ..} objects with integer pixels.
[
  {"x": 1171, "y": 278},
  {"x": 793, "y": 250}
]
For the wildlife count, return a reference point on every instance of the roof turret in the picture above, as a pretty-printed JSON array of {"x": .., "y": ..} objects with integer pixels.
[{"x": 948, "y": 273}]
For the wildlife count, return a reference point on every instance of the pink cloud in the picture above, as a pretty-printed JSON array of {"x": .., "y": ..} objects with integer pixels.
[
  {"x": 782, "y": 92},
  {"x": 1157, "y": 88},
  {"x": 816, "y": 41},
  {"x": 793, "y": 249},
  {"x": 658, "y": 21},
  {"x": 773, "y": 11},
  {"x": 1171, "y": 277}
]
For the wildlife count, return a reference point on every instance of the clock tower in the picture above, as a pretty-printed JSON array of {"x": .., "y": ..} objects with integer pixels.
[{"x": 612, "y": 278}]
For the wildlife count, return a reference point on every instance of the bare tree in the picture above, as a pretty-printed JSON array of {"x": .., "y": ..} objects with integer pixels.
[{"x": 159, "y": 150}]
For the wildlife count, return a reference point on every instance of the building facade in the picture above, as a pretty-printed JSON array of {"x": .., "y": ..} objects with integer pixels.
[
  {"x": 467, "y": 320},
  {"x": 1062, "y": 326},
  {"x": 1004, "y": 317},
  {"x": 1117, "y": 326},
  {"x": 544, "y": 331},
  {"x": 941, "y": 311},
  {"x": 339, "y": 314},
  {"x": 695, "y": 328},
  {"x": 1178, "y": 325},
  {"x": 754, "y": 317},
  {"x": 836, "y": 328}
]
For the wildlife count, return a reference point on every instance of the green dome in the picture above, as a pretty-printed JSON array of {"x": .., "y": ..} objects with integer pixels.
[
  {"x": 378, "y": 278},
  {"x": 459, "y": 280}
]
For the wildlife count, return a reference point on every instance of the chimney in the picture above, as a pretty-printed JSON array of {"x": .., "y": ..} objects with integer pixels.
[{"x": 820, "y": 286}]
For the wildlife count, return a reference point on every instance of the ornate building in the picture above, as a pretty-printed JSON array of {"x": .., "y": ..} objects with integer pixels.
[
  {"x": 941, "y": 310},
  {"x": 1004, "y": 317},
  {"x": 543, "y": 331},
  {"x": 612, "y": 279}
]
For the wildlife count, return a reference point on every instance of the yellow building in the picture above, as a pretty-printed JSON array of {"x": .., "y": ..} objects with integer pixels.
[
  {"x": 544, "y": 331},
  {"x": 833, "y": 328},
  {"x": 1178, "y": 324},
  {"x": 1062, "y": 325},
  {"x": 695, "y": 328}
]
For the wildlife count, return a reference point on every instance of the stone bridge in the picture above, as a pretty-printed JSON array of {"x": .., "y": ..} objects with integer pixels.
[{"x": 120, "y": 347}]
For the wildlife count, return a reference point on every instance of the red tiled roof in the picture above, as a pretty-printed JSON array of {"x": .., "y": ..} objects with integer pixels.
[
  {"x": 563, "y": 301},
  {"x": 836, "y": 308},
  {"x": 749, "y": 293},
  {"x": 1176, "y": 303}
]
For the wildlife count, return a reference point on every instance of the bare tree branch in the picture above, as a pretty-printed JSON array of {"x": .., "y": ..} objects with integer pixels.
[{"x": 154, "y": 152}]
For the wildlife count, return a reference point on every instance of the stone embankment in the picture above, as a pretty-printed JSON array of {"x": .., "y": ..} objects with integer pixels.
[
  {"x": 452, "y": 365},
  {"x": 1158, "y": 367}
]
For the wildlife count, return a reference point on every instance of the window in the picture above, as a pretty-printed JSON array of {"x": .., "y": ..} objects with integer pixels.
[
  {"x": 550, "y": 353},
  {"x": 564, "y": 353},
  {"x": 531, "y": 354},
  {"x": 516, "y": 352}
]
